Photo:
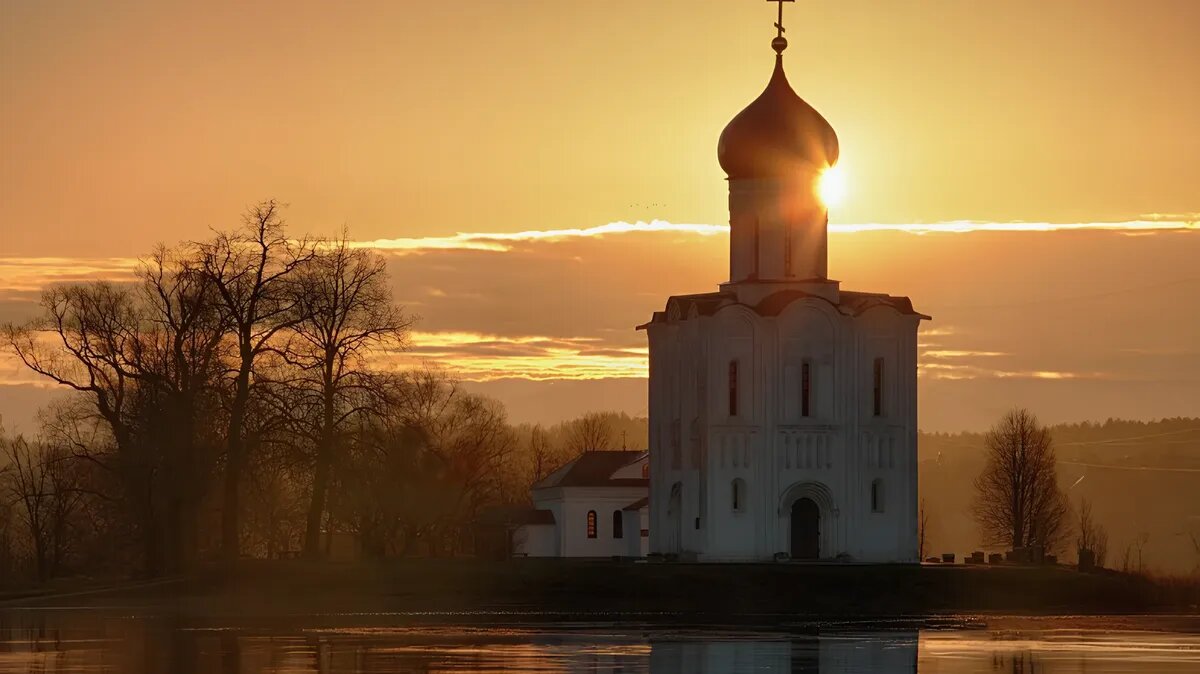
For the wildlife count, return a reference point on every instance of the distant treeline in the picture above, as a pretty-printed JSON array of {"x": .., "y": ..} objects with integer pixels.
[{"x": 1142, "y": 480}]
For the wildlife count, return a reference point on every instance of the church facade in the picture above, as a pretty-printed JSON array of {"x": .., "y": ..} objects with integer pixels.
[{"x": 782, "y": 408}]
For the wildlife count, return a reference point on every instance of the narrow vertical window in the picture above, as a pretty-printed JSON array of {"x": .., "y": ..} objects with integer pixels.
[
  {"x": 877, "y": 496},
  {"x": 805, "y": 388},
  {"x": 877, "y": 389},
  {"x": 733, "y": 388},
  {"x": 787, "y": 250},
  {"x": 756, "y": 248},
  {"x": 738, "y": 495},
  {"x": 591, "y": 524},
  {"x": 618, "y": 525}
]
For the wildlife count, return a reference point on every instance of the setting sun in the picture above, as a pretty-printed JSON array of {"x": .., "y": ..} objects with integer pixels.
[{"x": 831, "y": 185}]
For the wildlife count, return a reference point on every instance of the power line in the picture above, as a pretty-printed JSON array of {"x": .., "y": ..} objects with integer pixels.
[
  {"x": 1165, "y": 469},
  {"x": 1122, "y": 440}
]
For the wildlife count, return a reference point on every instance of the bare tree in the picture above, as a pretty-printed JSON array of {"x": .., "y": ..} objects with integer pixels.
[
  {"x": 7, "y": 554},
  {"x": 591, "y": 432},
  {"x": 1127, "y": 559},
  {"x": 1090, "y": 535},
  {"x": 540, "y": 451},
  {"x": 347, "y": 314},
  {"x": 922, "y": 530},
  {"x": 40, "y": 485},
  {"x": 1140, "y": 545},
  {"x": 177, "y": 360},
  {"x": 457, "y": 468},
  {"x": 254, "y": 273},
  {"x": 1018, "y": 501},
  {"x": 82, "y": 341}
]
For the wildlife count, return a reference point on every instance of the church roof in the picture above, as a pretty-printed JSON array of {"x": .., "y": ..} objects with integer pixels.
[
  {"x": 849, "y": 303},
  {"x": 595, "y": 469},
  {"x": 638, "y": 504}
]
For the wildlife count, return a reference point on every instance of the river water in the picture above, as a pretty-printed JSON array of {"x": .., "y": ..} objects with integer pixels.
[{"x": 73, "y": 641}]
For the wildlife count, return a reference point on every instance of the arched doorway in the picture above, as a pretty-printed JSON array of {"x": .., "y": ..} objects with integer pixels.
[{"x": 806, "y": 529}]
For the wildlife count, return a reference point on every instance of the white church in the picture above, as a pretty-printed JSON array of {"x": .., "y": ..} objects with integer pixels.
[{"x": 783, "y": 409}]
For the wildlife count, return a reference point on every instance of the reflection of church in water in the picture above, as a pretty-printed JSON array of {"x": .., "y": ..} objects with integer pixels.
[{"x": 782, "y": 408}]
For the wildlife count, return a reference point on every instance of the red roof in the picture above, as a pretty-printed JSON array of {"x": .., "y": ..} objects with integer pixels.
[
  {"x": 638, "y": 504},
  {"x": 594, "y": 469}
]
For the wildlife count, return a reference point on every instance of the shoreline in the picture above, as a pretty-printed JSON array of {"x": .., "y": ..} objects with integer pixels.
[{"x": 550, "y": 590}]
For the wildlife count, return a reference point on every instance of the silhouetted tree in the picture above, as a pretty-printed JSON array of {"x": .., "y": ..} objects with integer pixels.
[
  {"x": 40, "y": 484},
  {"x": 347, "y": 312},
  {"x": 7, "y": 551},
  {"x": 448, "y": 449},
  {"x": 922, "y": 531},
  {"x": 1018, "y": 501},
  {"x": 254, "y": 273},
  {"x": 591, "y": 432},
  {"x": 177, "y": 360},
  {"x": 1090, "y": 535},
  {"x": 83, "y": 340},
  {"x": 540, "y": 451}
]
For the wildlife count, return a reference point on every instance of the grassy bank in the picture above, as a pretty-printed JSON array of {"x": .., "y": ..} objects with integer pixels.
[{"x": 670, "y": 590}]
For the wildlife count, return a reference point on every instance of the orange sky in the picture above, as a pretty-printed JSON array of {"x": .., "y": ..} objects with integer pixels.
[{"x": 123, "y": 124}]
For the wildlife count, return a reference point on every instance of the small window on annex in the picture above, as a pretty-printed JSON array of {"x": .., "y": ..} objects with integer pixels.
[
  {"x": 877, "y": 496},
  {"x": 618, "y": 525},
  {"x": 738, "y": 495},
  {"x": 591, "y": 524}
]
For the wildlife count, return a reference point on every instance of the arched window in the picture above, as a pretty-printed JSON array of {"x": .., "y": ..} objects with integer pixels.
[
  {"x": 877, "y": 496},
  {"x": 737, "y": 495},
  {"x": 618, "y": 525},
  {"x": 591, "y": 524},
  {"x": 733, "y": 388},
  {"x": 877, "y": 388}
]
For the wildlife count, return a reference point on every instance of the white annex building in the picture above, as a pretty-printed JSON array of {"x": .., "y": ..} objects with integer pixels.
[
  {"x": 594, "y": 506},
  {"x": 783, "y": 409}
]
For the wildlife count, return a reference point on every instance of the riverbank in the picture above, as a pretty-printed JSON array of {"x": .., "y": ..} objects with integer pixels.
[{"x": 700, "y": 591}]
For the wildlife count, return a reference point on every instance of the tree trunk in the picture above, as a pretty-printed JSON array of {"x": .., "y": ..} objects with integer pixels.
[
  {"x": 321, "y": 474},
  {"x": 235, "y": 455},
  {"x": 316, "y": 508}
]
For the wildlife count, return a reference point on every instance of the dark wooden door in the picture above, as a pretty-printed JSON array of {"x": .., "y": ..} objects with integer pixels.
[{"x": 806, "y": 529}]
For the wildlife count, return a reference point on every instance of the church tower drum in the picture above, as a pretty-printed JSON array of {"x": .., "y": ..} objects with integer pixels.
[{"x": 774, "y": 153}]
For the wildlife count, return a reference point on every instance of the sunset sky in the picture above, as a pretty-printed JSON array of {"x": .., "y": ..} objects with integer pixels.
[{"x": 492, "y": 149}]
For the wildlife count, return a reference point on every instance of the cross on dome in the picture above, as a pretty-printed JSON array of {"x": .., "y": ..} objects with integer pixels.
[{"x": 780, "y": 42}]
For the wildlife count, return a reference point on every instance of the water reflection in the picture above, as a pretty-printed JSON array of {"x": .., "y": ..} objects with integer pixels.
[{"x": 69, "y": 642}]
